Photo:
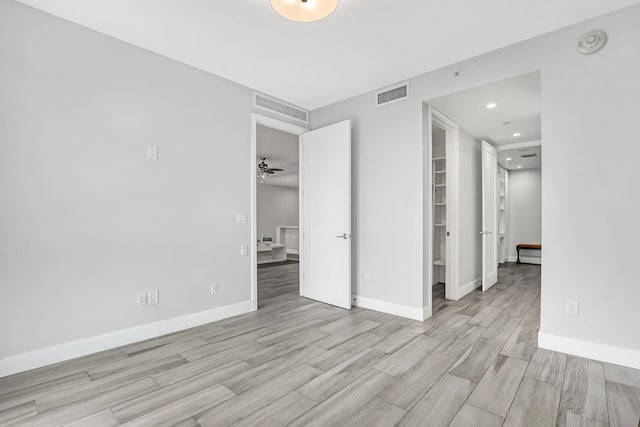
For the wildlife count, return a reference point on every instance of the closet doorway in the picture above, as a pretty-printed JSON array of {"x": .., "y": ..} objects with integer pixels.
[{"x": 441, "y": 209}]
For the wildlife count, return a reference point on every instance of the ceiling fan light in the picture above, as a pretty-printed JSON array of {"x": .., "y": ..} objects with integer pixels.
[{"x": 304, "y": 10}]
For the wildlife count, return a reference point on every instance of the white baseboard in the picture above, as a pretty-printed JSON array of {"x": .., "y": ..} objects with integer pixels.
[
  {"x": 390, "y": 308},
  {"x": 468, "y": 288},
  {"x": 59, "y": 353},
  {"x": 512, "y": 258},
  {"x": 293, "y": 251},
  {"x": 602, "y": 352}
]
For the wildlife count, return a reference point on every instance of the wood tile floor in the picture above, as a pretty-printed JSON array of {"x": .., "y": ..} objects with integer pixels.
[{"x": 301, "y": 363}]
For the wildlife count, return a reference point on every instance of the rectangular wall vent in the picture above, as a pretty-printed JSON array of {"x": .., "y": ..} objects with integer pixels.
[
  {"x": 394, "y": 94},
  {"x": 524, "y": 156},
  {"x": 279, "y": 107}
]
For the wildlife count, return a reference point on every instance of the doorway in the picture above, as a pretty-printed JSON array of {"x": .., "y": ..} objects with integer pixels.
[
  {"x": 324, "y": 200},
  {"x": 275, "y": 206},
  {"x": 504, "y": 116},
  {"x": 277, "y": 212},
  {"x": 441, "y": 209}
]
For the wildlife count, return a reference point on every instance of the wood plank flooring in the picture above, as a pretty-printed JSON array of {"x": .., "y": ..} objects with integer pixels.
[{"x": 301, "y": 363}]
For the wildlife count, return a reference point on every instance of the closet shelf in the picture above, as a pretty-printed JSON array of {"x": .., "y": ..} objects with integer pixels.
[
  {"x": 435, "y": 159},
  {"x": 439, "y": 261},
  {"x": 440, "y": 204},
  {"x": 440, "y": 225},
  {"x": 440, "y": 171},
  {"x": 440, "y": 185}
]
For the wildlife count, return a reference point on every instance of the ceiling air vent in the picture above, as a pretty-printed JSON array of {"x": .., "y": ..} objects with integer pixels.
[
  {"x": 395, "y": 94},
  {"x": 275, "y": 106}
]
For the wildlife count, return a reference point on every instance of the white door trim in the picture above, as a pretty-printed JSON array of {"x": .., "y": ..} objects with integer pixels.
[
  {"x": 453, "y": 211},
  {"x": 490, "y": 229},
  {"x": 258, "y": 119}
]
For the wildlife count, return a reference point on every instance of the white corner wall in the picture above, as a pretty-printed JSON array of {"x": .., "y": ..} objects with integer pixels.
[
  {"x": 87, "y": 222},
  {"x": 525, "y": 209},
  {"x": 588, "y": 229},
  {"x": 276, "y": 206}
]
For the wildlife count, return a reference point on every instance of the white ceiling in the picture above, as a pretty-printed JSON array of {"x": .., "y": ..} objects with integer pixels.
[
  {"x": 518, "y": 103},
  {"x": 281, "y": 150},
  {"x": 364, "y": 45},
  {"x": 521, "y": 157}
]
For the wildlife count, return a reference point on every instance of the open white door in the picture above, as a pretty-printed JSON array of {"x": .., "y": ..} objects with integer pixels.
[
  {"x": 326, "y": 214},
  {"x": 489, "y": 216}
]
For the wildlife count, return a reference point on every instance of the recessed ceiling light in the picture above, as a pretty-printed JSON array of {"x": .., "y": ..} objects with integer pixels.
[
  {"x": 492, "y": 105},
  {"x": 508, "y": 158},
  {"x": 519, "y": 167},
  {"x": 506, "y": 123},
  {"x": 516, "y": 134}
]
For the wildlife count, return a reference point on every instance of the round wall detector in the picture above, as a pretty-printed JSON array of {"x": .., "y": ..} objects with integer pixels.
[{"x": 591, "y": 42}]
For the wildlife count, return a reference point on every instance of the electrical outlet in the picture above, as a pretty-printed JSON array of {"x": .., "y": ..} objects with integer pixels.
[
  {"x": 142, "y": 299},
  {"x": 572, "y": 308},
  {"x": 241, "y": 218},
  {"x": 244, "y": 251},
  {"x": 152, "y": 152},
  {"x": 152, "y": 297},
  {"x": 214, "y": 288}
]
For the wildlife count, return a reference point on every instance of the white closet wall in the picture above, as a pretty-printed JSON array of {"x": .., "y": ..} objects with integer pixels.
[{"x": 525, "y": 205}]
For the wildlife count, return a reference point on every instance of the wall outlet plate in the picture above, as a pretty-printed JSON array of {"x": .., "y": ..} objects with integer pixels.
[
  {"x": 152, "y": 297},
  {"x": 572, "y": 308},
  {"x": 214, "y": 288},
  {"x": 152, "y": 152}
]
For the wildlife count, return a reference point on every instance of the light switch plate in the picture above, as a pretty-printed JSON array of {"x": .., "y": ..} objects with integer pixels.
[
  {"x": 244, "y": 251},
  {"x": 241, "y": 218}
]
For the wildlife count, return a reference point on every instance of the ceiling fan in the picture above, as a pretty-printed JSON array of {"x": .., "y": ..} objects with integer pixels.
[{"x": 264, "y": 171}]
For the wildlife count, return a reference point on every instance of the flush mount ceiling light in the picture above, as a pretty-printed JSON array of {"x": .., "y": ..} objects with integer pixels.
[
  {"x": 491, "y": 105},
  {"x": 304, "y": 10},
  {"x": 516, "y": 134}
]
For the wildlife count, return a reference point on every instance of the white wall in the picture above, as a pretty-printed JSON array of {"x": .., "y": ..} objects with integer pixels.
[
  {"x": 525, "y": 207},
  {"x": 276, "y": 206},
  {"x": 585, "y": 100},
  {"x": 86, "y": 220}
]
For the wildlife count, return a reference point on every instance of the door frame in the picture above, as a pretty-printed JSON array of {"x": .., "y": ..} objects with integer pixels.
[
  {"x": 452, "y": 143},
  {"x": 495, "y": 233},
  {"x": 259, "y": 119}
]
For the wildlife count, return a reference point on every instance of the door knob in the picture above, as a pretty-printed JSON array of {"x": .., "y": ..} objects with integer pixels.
[{"x": 344, "y": 236}]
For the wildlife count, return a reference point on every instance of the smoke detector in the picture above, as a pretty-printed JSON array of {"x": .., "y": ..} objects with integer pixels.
[{"x": 592, "y": 42}]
